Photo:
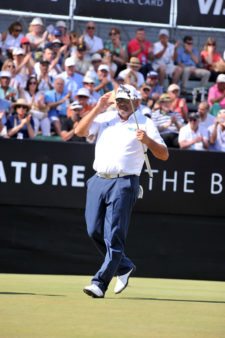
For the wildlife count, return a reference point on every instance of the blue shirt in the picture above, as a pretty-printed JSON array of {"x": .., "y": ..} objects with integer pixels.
[
  {"x": 14, "y": 121},
  {"x": 4, "y": 107},
  {"x": 185, "y": 58},
  {"x": 52, "y": 96},
  {"x": 72, "y": 83}
]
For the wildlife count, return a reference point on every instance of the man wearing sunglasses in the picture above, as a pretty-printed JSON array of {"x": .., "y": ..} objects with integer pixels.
[
  {"x": 94, "y": 43},
  {"x": 113, "y": 190},
  {"x": 188, "y": 58},
  {"x": 193, "y": 136}
]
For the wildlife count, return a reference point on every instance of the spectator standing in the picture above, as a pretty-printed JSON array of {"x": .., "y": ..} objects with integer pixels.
[
  {"x": 38, "y": 107},
  {"x": 81, "y": 59},
  {"x": 103, "y": 83},
  {"x": 73, "y": 80},
  {"x": 212, "y": 59},
  {"x": 94, "y": 43},
  {"x": 188, "y": 59},
  {"x": 69, "y": 125},
  {"x": 89, "y": 83},
  {"x": 11, "y": 38},
  {"x": 62, "y": 27},
  {"x": 92, "y": 72},
  {"x": 206, "y": 119},
  {"x": 57, "y": 101},
  {"x": 178, "y": 104},
  {"x": 24, "y": 64},
  {"x": 192, "y": 136},
  {"x": 141, "y": 48},
  {"x": 164, "y": 56},
  {"x": 131, "y": 74},
  {"x": 20, "y": 125},
  {"x": 156, "y": 90},
  {"x": 36, "y": 34},
  {"x": 16, "y": 79},
  {"x": 167, "y": 121},
  {"x": 216, "y": 95},
  {"x": 7, "y": 92},
  {"x": 217, "y": 132},
  {"x": 45, "y": 80},
  {"x": 117, "y": 48}
]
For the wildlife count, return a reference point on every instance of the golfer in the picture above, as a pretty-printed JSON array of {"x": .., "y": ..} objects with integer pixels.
[{"x": 113, "y": 190}]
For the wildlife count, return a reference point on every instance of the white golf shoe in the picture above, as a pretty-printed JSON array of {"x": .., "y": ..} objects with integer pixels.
[
  {"x": 94, "y": 291},
  {"x": 122, "y": 282}
]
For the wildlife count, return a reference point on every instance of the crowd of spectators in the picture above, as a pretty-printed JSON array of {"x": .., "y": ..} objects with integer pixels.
[{"x": 51, "y": 77}]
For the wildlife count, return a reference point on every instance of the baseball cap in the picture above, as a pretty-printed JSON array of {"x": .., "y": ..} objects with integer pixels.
[
  {"x": 83, "y": 92},
  {"x": 56, "y": 32},
  {"x": 127, "y": 92},
  {"x": 24, "y": 40},
  {"x": 18, "y": 51},
  {"x": 69, "y": 62},
  {"x": 81, "y": 47},
  {"x": 164, "y": 32},
  {"x": 152, "y": 73},
  {"x": 220, "y": 78},
  {"x": 76, "y": 105},
  {"x": 88, "y": 79},
  {"x": 5, "y": 73},
  {"x": 173, "y": 87},
  {"x": 60, "y": 23},
  {"x": 104, "y": 67},
  {"x": 193, "y": 116},
  {"x": 56, "y": 41},
  {"x": 96, "y": 57}
]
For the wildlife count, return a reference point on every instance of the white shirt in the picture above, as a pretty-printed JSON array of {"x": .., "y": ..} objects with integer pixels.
[
  {"x": 166, "y": 58},
  {"x": 220, "y": 140},
  {"x": 208, "y": 121},
  {"x": 140, "y": 77},
  {"x": 94, "y": 44},
  {"x": 187, "y": 134},
  {"x": 117, "y": 149}
]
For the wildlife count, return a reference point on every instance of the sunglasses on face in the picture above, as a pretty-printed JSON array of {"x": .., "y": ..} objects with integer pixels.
[
  {"x": 146, "y": 90},
  {"x": 32, "y": 82},
  {"x": 193, "y": 119},
  {"x": 82, "y": 97},
  {"x": 21, "y": 106},
  {"x": 18, "y": 30},
  {"x": 112, "y": 33},
  {"x": 189, "y": 43},
  {"x": 122, "y": 101},
  {"x": 90, "y": 27},
  {"x": 211, "y": 44}
]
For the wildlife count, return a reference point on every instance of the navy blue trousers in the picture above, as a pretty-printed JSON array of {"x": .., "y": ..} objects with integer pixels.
[{"x": 108, "y": 209}]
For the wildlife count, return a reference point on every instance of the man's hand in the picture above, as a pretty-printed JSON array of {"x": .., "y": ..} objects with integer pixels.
[
  {"x": 142, "y": 136},
  {"x": 104, "y": 102}
]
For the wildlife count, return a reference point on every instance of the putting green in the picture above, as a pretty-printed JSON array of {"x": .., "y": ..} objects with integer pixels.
[{"x": 47, "y": 306}]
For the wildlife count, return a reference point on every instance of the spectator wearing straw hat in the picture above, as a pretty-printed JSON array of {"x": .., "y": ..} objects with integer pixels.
[
  {"x": 20, "y": 125},
  {"x": 131, "y": 74}
]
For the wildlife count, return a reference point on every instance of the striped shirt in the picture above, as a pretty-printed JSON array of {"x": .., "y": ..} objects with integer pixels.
[{"x": 161, "y": 118}]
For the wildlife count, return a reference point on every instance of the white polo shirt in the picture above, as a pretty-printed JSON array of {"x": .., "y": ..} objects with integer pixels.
[{"x": 117, "y": 149}]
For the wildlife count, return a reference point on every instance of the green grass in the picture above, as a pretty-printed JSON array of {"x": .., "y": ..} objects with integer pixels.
[{"x": 55, "y": 306}]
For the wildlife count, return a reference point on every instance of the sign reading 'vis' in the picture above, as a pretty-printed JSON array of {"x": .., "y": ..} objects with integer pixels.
[
  {"x": 156, "y": 11},
  {"x": 204, "y": 13}
]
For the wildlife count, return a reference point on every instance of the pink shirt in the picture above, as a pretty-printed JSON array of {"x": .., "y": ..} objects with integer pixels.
[
  {"x": 214, "y": 93},
  {"x": 134, "y": 45}
]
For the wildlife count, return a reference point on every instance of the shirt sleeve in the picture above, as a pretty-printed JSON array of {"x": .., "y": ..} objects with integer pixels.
[{"x": 153, "y": 132}]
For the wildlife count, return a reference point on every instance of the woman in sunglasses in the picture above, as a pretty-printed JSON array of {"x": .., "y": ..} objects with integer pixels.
[
  {"x": 117, "y": 48},
  {"x": 212, "y": 59},
  {"x": 11, "y": 38},
  {"x": 39, "y": 110},
  {"x": 20, "y": 125}
]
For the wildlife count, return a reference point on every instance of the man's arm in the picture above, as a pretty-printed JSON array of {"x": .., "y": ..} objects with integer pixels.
[
  {"x": 83, "y": 126},
  {"x": 158, "y": 150}
]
